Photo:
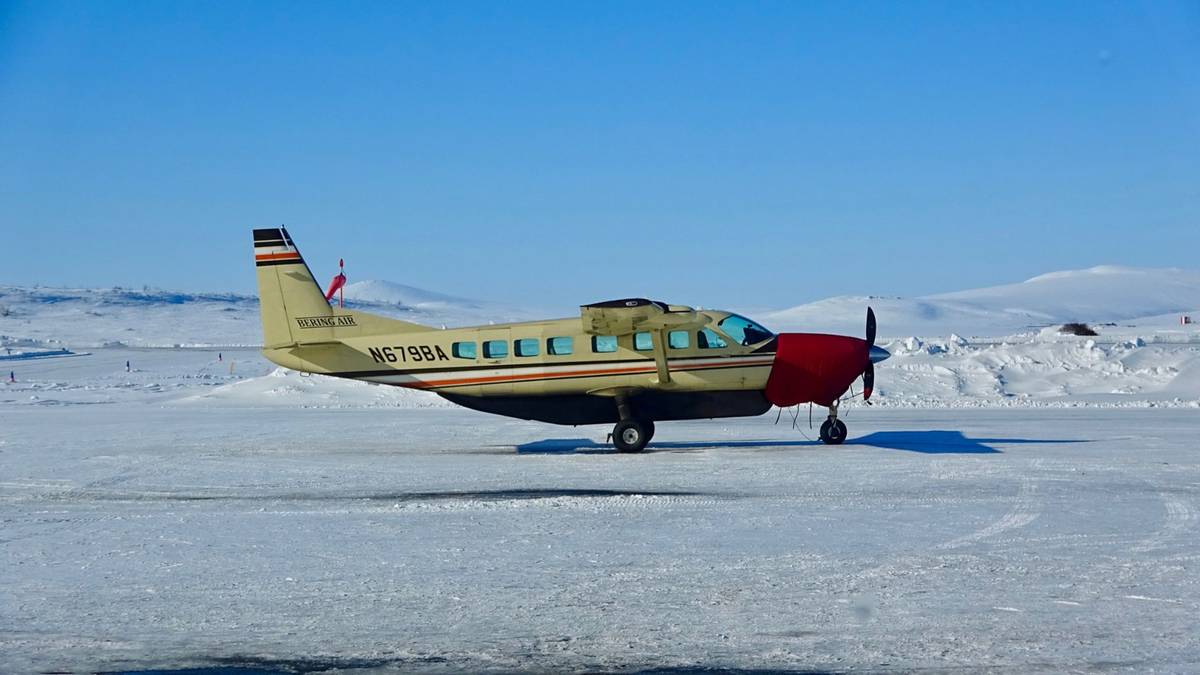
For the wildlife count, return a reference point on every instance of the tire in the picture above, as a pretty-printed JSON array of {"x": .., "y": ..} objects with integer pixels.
[
  {"x": 833, "y": 432},
  {"x": 632, "y": 435}
]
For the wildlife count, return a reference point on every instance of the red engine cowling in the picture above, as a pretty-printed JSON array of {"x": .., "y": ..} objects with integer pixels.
[{"x": 816, "y": 368}]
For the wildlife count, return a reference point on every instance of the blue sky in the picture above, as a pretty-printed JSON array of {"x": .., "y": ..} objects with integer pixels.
[{"x": 555, "y": 153}]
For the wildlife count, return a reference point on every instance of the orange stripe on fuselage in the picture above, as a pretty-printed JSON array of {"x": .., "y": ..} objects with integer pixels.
[{"x": 495, "y": 379}]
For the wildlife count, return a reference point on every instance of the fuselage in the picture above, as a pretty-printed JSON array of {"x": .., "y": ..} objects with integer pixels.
[{"x": 553, "y": 358}]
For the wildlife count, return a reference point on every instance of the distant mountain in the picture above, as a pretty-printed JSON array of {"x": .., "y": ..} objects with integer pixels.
[
  {"x": 1105, "y": 293},
  {"x": 392, "y": 293},
  {"x": 51, "y": 317},
  {"x": 95, "y": 317},
  {"x": 1096, "y": 295}
]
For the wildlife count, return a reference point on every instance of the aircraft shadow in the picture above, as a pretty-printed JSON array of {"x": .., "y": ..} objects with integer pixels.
[
  {"x": 928, "y": 441},
  {"x": 942, "y": 441}
]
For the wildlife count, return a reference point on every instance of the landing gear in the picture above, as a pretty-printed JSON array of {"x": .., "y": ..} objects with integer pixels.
[
  {"x": 631, "y": 434},
  {"x": 833, "y": 430}
]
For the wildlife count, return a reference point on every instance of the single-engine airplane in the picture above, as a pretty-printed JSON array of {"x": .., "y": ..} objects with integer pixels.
[{"x": 630, "y": 362}]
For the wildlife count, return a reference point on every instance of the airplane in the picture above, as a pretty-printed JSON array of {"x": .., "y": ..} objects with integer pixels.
[{"x": 629, "y": 362}]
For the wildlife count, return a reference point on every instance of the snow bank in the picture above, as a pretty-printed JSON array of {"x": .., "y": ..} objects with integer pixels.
[
  {"x": 1036, "y": 372},
  {"x": 283, "y": 387}
]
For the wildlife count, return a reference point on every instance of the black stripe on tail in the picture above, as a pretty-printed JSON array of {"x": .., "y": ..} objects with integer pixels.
[{"x": 269, "y": 234}]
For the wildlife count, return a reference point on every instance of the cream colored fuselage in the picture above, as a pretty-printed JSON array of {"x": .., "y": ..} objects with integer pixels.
[{"x": 439, "y": 360}]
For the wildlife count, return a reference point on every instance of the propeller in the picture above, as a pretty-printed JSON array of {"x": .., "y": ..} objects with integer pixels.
[{"x": 869, "y": 373}]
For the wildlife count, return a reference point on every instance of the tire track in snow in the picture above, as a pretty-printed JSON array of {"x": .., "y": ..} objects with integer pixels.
[
  {"x": 1025, "y": 509},
  {"x": 1180, "y": 517}
]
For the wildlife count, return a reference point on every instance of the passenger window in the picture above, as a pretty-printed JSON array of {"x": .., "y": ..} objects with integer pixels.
[
  {"x": 604, "y": 344},
  {"x": 678, "y": 339},
  {"x": 463, "y": 350},
  {"x": 708, "y": 339},
  {"x": 559, "y": 346},
  {"x": 495, "y": 349},
  {"x": 526, "y": 347},
  {"x": 642, "y": 342}
]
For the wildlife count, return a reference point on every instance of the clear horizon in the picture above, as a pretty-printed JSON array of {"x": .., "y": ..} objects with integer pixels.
[{"x": 554, "y": 155}]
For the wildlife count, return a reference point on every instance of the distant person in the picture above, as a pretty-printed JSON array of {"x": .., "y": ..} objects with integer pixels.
[
  {"x": 127, "y": 368},
  {"x": 219, "y": 356},
  {"x": 12, "y": 376}
]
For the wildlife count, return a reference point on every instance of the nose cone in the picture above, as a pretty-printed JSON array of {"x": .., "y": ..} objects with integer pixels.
[
  {"x": 878, "y": 354},
  {"x": 811, "y": 367}
]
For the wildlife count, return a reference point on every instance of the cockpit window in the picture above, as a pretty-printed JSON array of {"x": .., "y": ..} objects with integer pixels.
[{"x": 743, "y": 330}]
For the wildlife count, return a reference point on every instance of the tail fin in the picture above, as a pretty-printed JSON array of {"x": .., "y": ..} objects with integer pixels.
[{"x": 293, "y": 308}]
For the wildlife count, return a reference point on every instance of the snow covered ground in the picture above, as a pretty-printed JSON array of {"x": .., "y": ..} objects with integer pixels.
[
  {"x": 1017, "y": 500},
  {"x": 158, "y": 537}
]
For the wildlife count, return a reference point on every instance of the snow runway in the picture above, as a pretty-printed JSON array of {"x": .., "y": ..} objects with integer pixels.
[{"x": 137, "y": 536}]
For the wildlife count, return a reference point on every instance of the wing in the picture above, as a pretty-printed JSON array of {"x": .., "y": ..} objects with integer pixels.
[
  {"x": 624, "y": 317},
  {"x": 633, "y": 315}
]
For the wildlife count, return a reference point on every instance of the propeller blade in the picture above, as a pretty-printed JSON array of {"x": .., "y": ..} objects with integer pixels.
[
  {"x": 870, "y": 326},
  {"x": 868, "y": 381}
]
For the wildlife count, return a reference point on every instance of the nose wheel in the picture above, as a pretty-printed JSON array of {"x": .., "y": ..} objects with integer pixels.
[{"x": 833, "y": 430}]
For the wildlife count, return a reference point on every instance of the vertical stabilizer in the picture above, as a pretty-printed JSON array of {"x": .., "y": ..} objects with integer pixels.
[{"x": 287, "y": 291}]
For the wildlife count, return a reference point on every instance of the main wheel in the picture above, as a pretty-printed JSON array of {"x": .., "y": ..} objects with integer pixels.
[
  {"x": 632, "y": 435},
  {"x": 833, "y": 432}
]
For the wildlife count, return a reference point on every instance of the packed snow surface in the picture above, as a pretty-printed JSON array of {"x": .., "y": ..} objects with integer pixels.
[{"x": 140, "y": 537}]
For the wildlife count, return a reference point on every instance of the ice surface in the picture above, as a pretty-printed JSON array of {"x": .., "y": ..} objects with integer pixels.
[{"x": 138, "y": 536}]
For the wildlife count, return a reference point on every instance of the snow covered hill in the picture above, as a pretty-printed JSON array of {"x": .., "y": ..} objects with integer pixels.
[
  {"x": 90, "y": 318},
  {"x": 392, "y": 293},
  {"x": 1150, "y": 298}
]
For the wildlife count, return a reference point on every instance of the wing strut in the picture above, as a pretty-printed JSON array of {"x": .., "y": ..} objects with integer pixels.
[{"x": 660, "y": 356}]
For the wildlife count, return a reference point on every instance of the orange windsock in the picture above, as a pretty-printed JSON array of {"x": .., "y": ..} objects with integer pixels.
[{"x": 338, "y": 282}]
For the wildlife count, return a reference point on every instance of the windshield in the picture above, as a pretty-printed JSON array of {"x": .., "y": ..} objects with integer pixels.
[{"x": 743, "y": 330}]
